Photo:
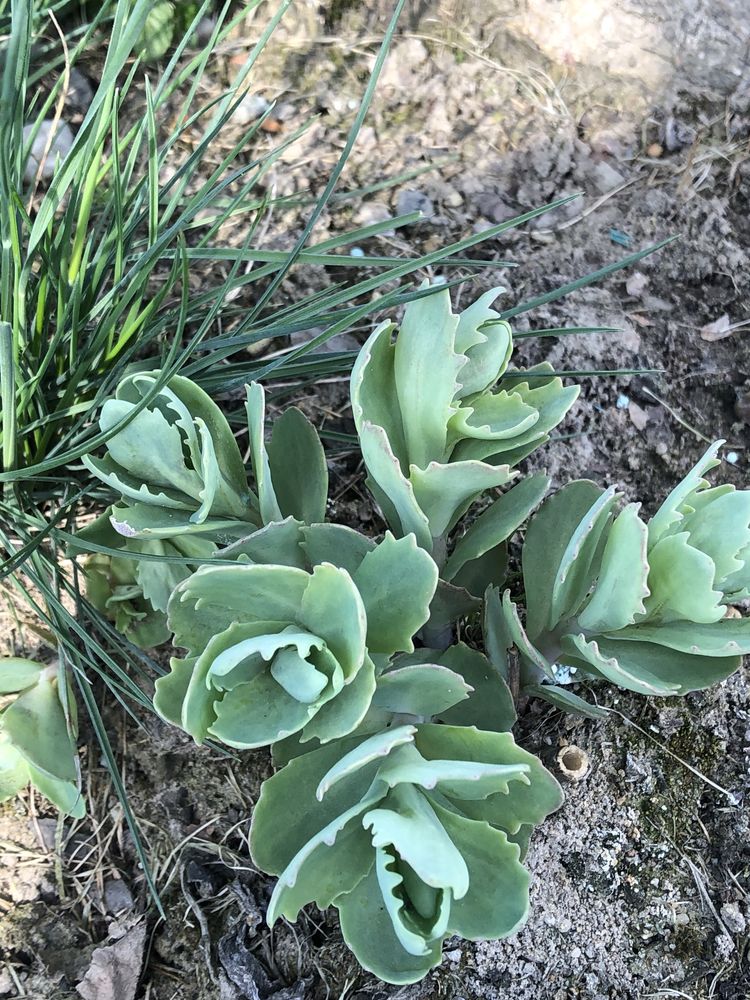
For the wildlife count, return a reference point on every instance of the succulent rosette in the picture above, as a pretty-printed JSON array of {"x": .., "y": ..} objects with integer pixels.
[
  {"x": 433, "y": 432},
  {"x": 641, "y": 604},
  {"x": 178, "y": 468},
  {"x": 413, "y": 834},
  {"x": 37, "y": 734},
  {"x": 275, "y": 650}
]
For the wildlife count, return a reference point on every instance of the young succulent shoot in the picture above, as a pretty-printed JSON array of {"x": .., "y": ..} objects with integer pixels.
[
  {"x": 414, "y": 834},
  {"x": 434, "y": 434},
  {"x": 642, "y": 604},
  {"x": 277, "y": 651},
  {"x": 37, "y": 734},
  {"x": 133, "y": 589},
  {"x": 178, "y": 468}
]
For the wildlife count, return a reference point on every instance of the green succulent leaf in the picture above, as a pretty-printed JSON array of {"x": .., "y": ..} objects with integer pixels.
[
  {"x": 670, "y": 513},
  {"x": 566, "y": 700},
  {"x": 485, "y": 341},
  {"x": 425, "y": 368},
  {"x": 256, "y": 422},
  {"x": 420, "y": 689},
  {"x": 496, "y": 524},
  {"x": 335, "y": 543},
  {"x": 547, "y": 545},
  {"x": 298, "y": 467},
  {"x": 649, "y": 668},
  {"x": 492, "y": 862},
  {"x": 37, "y": 744},
  {"x": 17, "y": 674},
  {"x": 527, "y": 801},
  {"x": 397, "y": 582},
  {"x": 490, "y": 705},
  {"x": 622, "y": 584},
  {"x": 368, "y": 929},
  {"x": 682, "y": 582},
  {"x": 444, "y": 492},
  {"x": 14, "y": 771}
]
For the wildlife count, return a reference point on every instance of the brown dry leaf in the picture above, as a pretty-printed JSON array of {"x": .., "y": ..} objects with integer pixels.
[
  {"x": 717, "y": 330},
  {"x": 115, "y": 968}
]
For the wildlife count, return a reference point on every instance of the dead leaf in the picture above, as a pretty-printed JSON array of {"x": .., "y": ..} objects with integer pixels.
[
  {"x": 717, "y": 330},
  {"x": 115, "y": 968}
]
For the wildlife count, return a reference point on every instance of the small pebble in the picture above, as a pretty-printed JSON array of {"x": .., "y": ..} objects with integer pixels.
[
  {"x": 733, "y": 918},
  {"x": 623, "y": 401},
  {"x": 61, "y": 145},
  {"x": 410, "y": 200},
  {"x": 79, "y": 93},
  {"x": 655, "y": 150},
  {"x": 250, "y": 109}
]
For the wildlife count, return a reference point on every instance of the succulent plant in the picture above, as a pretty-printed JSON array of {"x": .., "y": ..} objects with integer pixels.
[
  {"x": 434, "y": 436},
  {"x": 275, "y": 650},
  {"x": 413, "y": 834},
  {"x": 641, "y": 604},
  {"x": 178, "y": 468},
  {"x": 37, "y": 734}
]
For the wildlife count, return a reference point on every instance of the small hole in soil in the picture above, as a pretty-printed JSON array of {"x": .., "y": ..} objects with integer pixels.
[{"x": 573, "y": 762}]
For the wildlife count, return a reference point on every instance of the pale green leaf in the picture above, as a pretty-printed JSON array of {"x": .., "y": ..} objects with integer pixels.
[
  {"x": 367, "y": 928},
  {"x": 669, "y": 515},
  {"x": 425, "y": 690},
  {"x": 385, "y": 471},
  {"x": 498, "y": 522},
  {"x": 332, "y": 608},
  {"x": 444, "y": 492},
  {"x": 298, "y": 467},
  {"x": 621, "y": 586},
  {"x": 256, "y": 416},
  {"x": 17, "y": 673},
  {"x": 425, "y": 369},
  {"x": 397, "y": 582},
  {"x": 35, "y": 725},
  {"x": 547, "y": 538},
  {"x": 497, "y": 902},
  {"x": 681, "y": 581},
  {"x": 343, "y": 713}
]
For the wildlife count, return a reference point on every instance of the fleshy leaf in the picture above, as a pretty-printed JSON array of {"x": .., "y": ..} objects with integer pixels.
[
  {"x": 425, "y": 369},
  {"x": 490, "y": 705},
  {"x": 621, "y": 587},
  {"x": 256, "y": 421},
  {"x": 498, "y": 522},
  {"x": 336, "y": 544},
  {"x": 16, "y": 674},
  {"x": 681, "y": 580},
  {"x": 669, "y": 514},
  {"x": 499, "y": 903},
  {"x": 298, "y": 467},
  {"x": 397, "y": 581},
  {"x": 424, "y": 690},
  {"x": 368, "y": 930},
  {"x": 523, "y": 803},
  {"x": 385, "y": 470},
  {"x": 35, "y": 724},
  {"x": 547, "y": 538},
  {"x": 444, "y": 492}
]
